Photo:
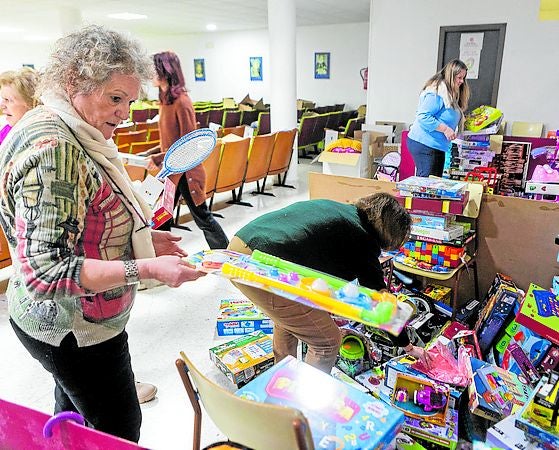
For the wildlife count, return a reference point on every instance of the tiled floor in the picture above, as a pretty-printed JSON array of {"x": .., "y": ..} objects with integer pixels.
[{"x": 164, "y": 321}]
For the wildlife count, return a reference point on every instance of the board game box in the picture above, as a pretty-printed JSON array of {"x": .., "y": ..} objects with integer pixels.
[{"x": 239, "y": 316}]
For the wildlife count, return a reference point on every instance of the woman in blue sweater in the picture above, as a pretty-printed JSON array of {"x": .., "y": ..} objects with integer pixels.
[{"x": 439, "y": 115}]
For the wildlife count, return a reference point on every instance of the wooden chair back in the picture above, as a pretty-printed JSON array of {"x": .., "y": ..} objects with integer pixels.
[
  {"x": 131, "y": 136},
  {"x": 153, "y": 134},
  {"x": 232, "y": 167},
  {"x": 250, "y": 423},
  {"x": 211, "y": 166},
  {"x": 139, "y": 147},
  {"x": 264, "y": 126},
  {"x": 231, "y": 119},
  {"x": 126, "y": 128},
  {"x": 259, "y": 157},
  {"x": 147, "y": 126},
  {"x": 282, "y": 152}
]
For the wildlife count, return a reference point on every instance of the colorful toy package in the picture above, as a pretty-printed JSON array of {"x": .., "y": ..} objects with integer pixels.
[
  {"x": 436, "y": 254},
  {"x": 239, "y": 316},
  {"x": 339, "y": 416},
  {"x": 308, "y": 286},
  {"x": 445, "y": 435},
  {"x": 244, "y": 358},
  {"x": 481, "y": 117},
  {"x": 495, "y": 393},
  {"x": 431, "y": 187},
  {"x": 505, "y": 435},
  {"x": 540, "y": 313}
]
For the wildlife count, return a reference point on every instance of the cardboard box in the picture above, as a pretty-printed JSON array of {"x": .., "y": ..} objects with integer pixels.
[
  {"x": 444, "y": 435},
  {"x": 244, "y": 358},
  {"x": 337, "y": 413},
  {"x": 345, "y": 164},
  {"x": 305, "y": 104},
  {"x": 506, "y": 436},
  {"x": 238, "y": 316},
  {"x": 377, "y": 142}
]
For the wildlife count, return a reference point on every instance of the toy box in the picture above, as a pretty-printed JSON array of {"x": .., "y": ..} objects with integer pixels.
[
  {"x": 245, "y": 357},
  {"x": 550, "y": 361},
  {"x": 239, "y": 316},
  {"x": 505, "y": 435},
  {"x": 540, "y": 313},
  {"x": 495, "y": 393},
  {"x": 481, "y": 117},
  {"x": 543, "y": 407},
  {"x": 445, "y": 435},
  {"x": 547, "y": 437},
  {"x": 339, "y": 415},
  {"x": 165, "y": 206},
  {"x": 434, "y": 204},
  {"x": 421, "y": 398},
  {"x": 432, "y": 220},
  {"x": 432, "y": 187},
  {"x": 345, "y": 378},
  {"x": 403, "y": 365},
  {"x": 372, "y": 380},
  {"x": 438, "y": 292}
]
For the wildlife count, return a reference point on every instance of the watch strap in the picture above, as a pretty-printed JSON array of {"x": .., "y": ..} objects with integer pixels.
[{"x": 131, "y": 272}]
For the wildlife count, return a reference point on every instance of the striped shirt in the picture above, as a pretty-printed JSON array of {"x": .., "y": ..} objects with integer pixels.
[{"x": 56, "y": 209}]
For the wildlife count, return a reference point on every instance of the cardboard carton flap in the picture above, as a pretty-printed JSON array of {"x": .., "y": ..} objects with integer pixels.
[{"x": 348, "y": 159}]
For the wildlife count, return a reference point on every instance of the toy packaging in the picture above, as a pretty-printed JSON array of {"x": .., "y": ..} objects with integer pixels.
[
  {"x": 165, "y": 206},
  {"x": 542, "y": 410},
  {"x": 445, "y": 435},
  {"x": 540, "y": 313},
  {"x": 438, "y": 292},
  {"x": 307, "y": 286},
  {"x": 435, "y": 205},
  {"x": 440, "y": 188},
  {"x": 481, "y": 117},
  {"x": 239, "y": 316},
  {"x": 339, "y": 415},
  {"x": 345, "y": 378},
  {"x": 437, "y": 254},
  {"x": 432, "y": 220},
  {"x": 402, "y": 365},
  {"x": 405, "y": 442},
  {"x": 495, "y": 393},
  {"x": 505, "y": 435},
  {"x": 245, "y": 357}
]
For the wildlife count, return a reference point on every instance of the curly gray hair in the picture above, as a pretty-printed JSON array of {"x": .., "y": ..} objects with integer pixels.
[
  {"x": 388, "y": 218},
  {"x": 87, "y": 58}
]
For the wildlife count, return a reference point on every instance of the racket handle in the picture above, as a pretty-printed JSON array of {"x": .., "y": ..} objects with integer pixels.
[{"x": 162, "y": 174}]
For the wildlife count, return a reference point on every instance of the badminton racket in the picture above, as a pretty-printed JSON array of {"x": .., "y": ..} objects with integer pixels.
[{"x": 188, "y": 152}]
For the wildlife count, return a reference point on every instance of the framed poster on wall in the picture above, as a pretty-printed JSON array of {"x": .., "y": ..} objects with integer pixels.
[
  {"x": 322, "y": 65},
  {"x": 255, "y": 68},
  {"x": 199, "y": 70}
]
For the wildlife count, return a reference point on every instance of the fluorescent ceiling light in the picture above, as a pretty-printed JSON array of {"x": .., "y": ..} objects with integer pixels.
[
  {"x": 5, "y": 29},
  {"x": 128, "y": 16},
  {"x": 211, "y": 27}
]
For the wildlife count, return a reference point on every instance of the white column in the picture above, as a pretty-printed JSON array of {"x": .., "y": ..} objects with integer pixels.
[{"x": 283, "y": 71}]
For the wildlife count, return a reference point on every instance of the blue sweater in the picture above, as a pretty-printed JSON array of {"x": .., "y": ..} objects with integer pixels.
[{"x": 431, "y": 112}]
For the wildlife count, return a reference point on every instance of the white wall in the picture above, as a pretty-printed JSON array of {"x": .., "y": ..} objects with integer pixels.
[
  {"x": 226, "y": 56},
  {"x": 403, "y": 51}
]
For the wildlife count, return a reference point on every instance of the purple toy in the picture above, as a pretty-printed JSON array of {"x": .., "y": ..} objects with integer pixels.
[{"x": 429, "y": 398}]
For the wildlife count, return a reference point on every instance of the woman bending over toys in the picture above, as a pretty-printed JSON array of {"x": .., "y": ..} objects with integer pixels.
[{"x": 344, "y": 240}]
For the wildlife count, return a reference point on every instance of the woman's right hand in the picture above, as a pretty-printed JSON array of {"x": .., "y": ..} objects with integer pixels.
[
  {"x": 449, "y": 133},
  {"x": 170, "y": 270},
  {"x": 155, "y": 161}
]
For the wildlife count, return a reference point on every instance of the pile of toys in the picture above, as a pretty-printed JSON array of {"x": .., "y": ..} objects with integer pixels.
[
  {"x": 490, "y": 374},
  {"x": 437, "y": 240}
]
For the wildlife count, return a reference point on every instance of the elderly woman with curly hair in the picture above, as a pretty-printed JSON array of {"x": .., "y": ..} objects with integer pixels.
[
  {"x": 79, "y": 235},
  {"x": 17, "y": 96}
]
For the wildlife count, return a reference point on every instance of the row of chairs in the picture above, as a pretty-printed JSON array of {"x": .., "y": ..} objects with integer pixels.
[
  {"x": 141, "y": 115},
  {"x": 312, "y": 129},
  {"x": 235, "y": 163},
  {"x": 137, "y": 138},
  {"x": 229, "y": 117}
]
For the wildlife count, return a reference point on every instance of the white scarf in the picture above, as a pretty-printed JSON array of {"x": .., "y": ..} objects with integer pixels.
[
  {"x": 442, "y": 91},
  {"x": 105, "y": 153}
]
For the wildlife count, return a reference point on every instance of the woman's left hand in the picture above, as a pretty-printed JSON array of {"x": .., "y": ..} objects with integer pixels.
[{"x": 165, "y": 243}]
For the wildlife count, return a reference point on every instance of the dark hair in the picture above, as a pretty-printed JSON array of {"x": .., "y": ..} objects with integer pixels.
[
  {"x": 168, "y": 68},
  {"x": 389, "y": 219}
]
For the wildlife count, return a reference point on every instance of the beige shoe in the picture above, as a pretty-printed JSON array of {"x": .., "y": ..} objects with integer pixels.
[{"x": 145, "y": 391}]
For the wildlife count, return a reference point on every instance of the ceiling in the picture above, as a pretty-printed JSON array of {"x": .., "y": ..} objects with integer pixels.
[{"x": 46, "y": 20}]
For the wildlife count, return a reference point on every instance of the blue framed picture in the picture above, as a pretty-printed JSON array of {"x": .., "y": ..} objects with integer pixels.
[
  {"x": 322, "y": 65},
  {"x": 199, "y": 70},
  {"x": 255, "y": 68}
]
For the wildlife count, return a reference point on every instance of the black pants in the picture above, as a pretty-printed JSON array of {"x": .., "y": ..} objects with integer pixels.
[
  {"x": 203, "y": 217},
  {"x": 95, "y": 381}
]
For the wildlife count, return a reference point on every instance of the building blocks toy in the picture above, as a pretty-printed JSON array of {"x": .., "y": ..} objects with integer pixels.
[{"x": 310, "y": 287}]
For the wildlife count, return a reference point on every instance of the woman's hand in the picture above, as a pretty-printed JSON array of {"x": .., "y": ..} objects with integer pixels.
[
  {"x": 165, "y": 243},
  {"x": 449, "y": 133},
  {"x": 170, "y": 270},
  {"x": 155, "y": 161}
]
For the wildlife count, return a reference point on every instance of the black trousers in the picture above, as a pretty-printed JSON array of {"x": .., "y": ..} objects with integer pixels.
[
  {"x": 203, "y": 217},
  {"x": 95, "y": 381}
]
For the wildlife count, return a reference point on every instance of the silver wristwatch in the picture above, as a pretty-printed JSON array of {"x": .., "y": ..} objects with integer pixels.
[{"x": 131, "y": 272}]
